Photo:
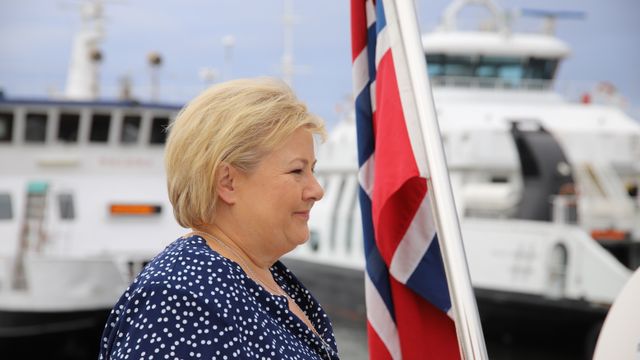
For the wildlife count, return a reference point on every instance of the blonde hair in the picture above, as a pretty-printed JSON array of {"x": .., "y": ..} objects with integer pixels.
[{"x": 236, "y": 122}]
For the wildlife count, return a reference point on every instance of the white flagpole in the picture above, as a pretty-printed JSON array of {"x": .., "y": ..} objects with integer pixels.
[{"x": 468, "y": 327}]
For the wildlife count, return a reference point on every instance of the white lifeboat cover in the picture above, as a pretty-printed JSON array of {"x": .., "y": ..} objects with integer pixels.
[{"x": 620, "y": 334}]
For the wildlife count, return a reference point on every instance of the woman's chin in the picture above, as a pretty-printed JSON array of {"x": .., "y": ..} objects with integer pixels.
[{"x": 300, "y": 239}]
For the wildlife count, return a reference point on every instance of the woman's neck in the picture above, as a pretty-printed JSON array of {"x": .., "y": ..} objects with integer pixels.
[{"x": 233, "y": 245}]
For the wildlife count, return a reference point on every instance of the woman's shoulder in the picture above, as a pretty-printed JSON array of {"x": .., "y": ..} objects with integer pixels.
[
  {"x": 189, "y": 264},
  {"x": 175, "y": 300},
  {"x": 187, "y": 270}
]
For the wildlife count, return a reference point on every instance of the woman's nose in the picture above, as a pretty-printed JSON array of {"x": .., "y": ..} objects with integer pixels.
[{"x": 314, "y": 191}]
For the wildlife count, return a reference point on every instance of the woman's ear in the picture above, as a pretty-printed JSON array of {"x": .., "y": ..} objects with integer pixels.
[{"x": 225, "y": 183}]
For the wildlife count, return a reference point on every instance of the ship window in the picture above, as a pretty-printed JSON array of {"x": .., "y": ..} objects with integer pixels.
[
  {"x": 67, "y": 211},
  {"x": 435, "y": 65},
  {"x": 130, "y": 129},
  {"x": 36, "y": 128},
  {"x": 100, "y": 128},
  {"x": 510, "y": 74},
  {"x": 159, "y": 130},
  {"x": 458, "y": 66},
  {"x": 500, "y": 67},
  {"x": 6, "y": 212},
  {"x": 499, "y": 179},
  {"x": 68, "y": 127},
  {"x": 6, "y": 126},
  {"x": 541, "y": 68},
  {"x": 509, "y": 70}
]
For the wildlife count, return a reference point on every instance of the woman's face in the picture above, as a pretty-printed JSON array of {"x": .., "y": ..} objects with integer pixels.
[{"x": 274, "y": 199}]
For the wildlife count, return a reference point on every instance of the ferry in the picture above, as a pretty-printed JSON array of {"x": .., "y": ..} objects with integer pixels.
[
  {"x": 544, "y": 188},
  {"x": 83, "y": 206}
]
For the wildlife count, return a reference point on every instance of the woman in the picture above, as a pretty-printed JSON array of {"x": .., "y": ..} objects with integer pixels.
[{"x": 239, "y": 161}]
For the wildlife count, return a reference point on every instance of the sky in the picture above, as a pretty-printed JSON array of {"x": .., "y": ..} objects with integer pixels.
[{"x": 36, "y": 39}]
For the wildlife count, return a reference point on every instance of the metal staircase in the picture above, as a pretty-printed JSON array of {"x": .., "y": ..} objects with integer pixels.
[{"x": 33, "y": 235}]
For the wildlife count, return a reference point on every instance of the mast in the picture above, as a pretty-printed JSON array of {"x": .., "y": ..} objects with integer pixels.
[
  {"x": 84, "y": 67},
  {"x": 287, "y": 55}
]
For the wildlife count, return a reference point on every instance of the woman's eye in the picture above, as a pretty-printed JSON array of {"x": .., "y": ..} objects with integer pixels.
[{"x": 296, "y": 171}]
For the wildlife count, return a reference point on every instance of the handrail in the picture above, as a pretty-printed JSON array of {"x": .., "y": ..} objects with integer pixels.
[{"x": 491, "y": 83}]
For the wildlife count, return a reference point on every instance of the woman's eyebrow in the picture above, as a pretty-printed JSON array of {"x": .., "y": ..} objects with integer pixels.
[{"x": 305, "y": 161}]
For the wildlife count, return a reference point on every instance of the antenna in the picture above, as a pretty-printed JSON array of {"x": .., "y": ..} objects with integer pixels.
[
  {"x": 125, "y": 88},
  {"x": 155, "y": 61},
  {"x": 287, "y": 67},
  {"x": 228, "y": 42},
  {"x": 550, "y": 17},
  {"x": 208, "y": 76}
]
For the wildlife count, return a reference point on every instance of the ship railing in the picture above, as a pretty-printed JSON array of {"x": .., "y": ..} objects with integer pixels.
[
  {"x": 491, "y": 83},
  {"x": 7, "y": 267},
  {"x": 604, "y": 201},
  {"x": 565, "y": 210}
]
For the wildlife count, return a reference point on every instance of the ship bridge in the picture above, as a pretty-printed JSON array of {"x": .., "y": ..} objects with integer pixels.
[{"x": 491, "y": 58}]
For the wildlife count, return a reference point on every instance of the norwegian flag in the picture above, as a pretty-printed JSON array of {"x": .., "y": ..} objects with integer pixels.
[{"x": 408, "y": 304}]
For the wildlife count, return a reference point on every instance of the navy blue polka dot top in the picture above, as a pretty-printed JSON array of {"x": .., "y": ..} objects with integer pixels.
[{"x": 192, "y": 303}]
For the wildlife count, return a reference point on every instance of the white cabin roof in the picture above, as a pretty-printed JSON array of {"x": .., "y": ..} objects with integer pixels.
[{"x": 494, "y": 44}]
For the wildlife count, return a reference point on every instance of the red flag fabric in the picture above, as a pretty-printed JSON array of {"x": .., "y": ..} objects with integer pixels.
[{"x": 408, "y": 304}]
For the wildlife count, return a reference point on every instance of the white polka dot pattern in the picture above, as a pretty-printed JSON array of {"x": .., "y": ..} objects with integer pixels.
[{"x": 192, "y": 303}]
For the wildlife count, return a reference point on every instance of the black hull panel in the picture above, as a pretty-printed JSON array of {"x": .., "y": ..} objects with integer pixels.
[
  {"x": 516, "y": 326},
  {"x": 64, "y": 335}
]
